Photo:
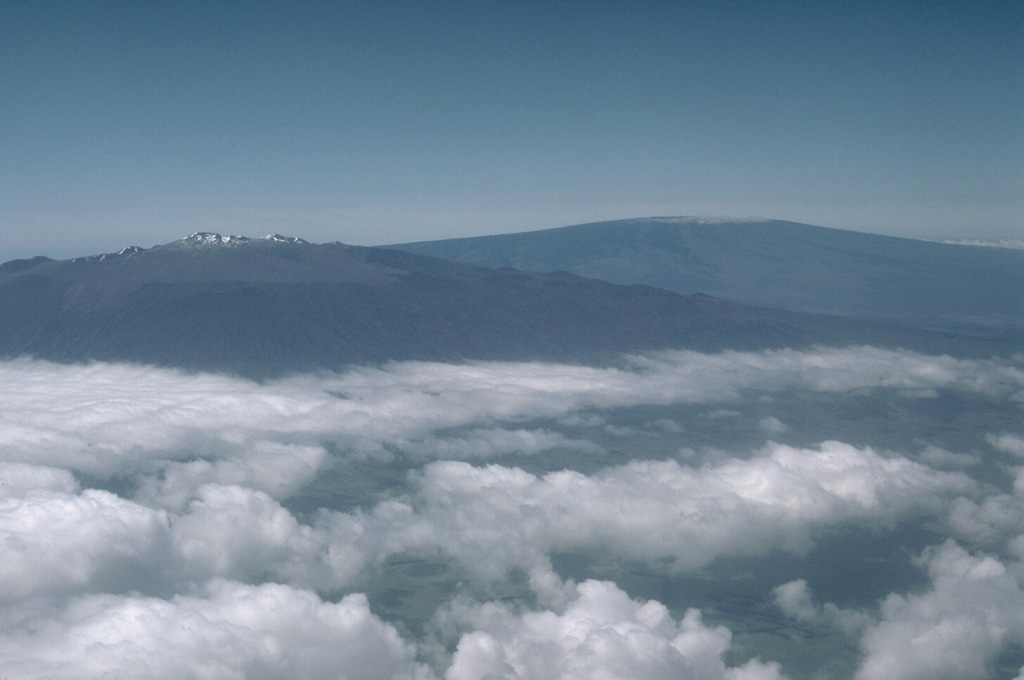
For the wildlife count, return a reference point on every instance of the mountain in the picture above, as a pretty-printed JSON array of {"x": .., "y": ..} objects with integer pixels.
[
  {"x": 266, "y": 307},
  {"x": 775, "y": 264}
]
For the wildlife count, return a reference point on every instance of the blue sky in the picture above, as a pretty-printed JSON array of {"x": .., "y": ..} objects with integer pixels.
[{"x": 138, "y": 123}]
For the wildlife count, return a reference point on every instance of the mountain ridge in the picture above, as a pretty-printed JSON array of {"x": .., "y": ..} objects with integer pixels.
[
  {"x": 774, "y": 263},
  {"x": 263, "y": 308}
]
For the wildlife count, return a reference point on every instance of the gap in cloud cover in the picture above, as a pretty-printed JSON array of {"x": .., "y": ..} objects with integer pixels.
[{"x": 858, "y": 565}]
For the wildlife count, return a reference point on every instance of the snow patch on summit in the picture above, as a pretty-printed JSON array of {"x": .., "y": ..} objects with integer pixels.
[
  {"x": 278, "y": 238},
  {"x": 204, "y": 238},
  {"x": 124, "y": 252}
]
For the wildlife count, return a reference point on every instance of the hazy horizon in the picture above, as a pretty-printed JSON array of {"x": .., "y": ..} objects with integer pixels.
[{"x": 63, "y": 252}]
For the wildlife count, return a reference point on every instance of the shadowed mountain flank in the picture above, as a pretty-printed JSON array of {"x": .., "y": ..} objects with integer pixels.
[{"x": 270, "y": 306}]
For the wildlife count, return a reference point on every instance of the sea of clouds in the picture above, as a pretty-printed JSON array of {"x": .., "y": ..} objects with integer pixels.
[{"x": 148, "y": 529}]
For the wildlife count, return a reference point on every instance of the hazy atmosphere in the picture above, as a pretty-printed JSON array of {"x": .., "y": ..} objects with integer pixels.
[
  {"x": 586, "y": 341},
  {"x": 129, "y": 123}
]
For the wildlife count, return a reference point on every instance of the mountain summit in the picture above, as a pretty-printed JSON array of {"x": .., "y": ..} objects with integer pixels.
[{"x": 204, "y": 238}]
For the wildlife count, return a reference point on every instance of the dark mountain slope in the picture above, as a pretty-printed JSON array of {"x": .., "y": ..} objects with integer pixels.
[
  {"x": 776, "y": 264},
  {"x": 271, "y": 306}
]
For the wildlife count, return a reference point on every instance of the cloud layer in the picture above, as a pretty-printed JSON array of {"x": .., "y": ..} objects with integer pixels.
[
  {"x": 148, "y": 517},
  {"x": 108, "y": 419}
]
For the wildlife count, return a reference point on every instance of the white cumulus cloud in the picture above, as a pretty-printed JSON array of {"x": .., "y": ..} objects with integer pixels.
[
  {"x": 955, "y": 631},
  {"x": 495, "y": 517},
  {"x": 600, "y": 634},
  {"x": 228, "y": 631}
]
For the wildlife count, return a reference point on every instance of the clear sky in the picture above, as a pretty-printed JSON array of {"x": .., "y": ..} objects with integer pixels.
[{"x": 137, "y": 123}]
